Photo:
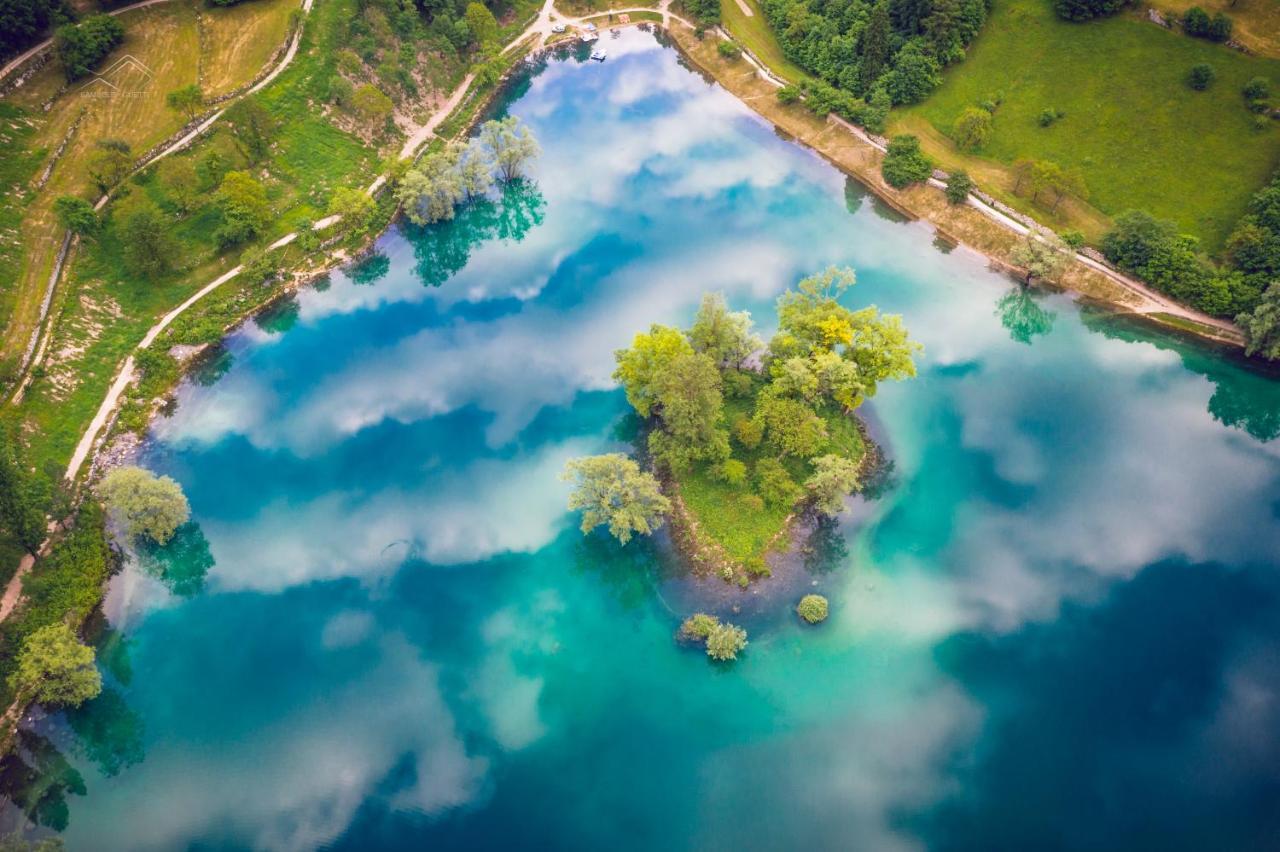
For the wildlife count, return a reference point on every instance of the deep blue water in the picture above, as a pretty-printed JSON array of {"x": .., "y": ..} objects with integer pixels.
[{"x": 1058, "y": 626}]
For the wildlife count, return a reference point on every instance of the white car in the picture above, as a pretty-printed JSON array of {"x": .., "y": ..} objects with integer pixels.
[{"x": 557, "y": 28}]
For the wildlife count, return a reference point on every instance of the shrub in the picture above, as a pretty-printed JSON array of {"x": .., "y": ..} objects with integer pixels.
[
  {"x": 697, "y": 627},
  {"x": 732, "y": 472},
  {"x": 959, "y": 186},
  {"x": 775, "y": 485},
  {"x": 789, "y": 94},
  {"x": 724, "y": 641},
  {"x": 1256, "y": 89},
  {"x": 1084, "y": 10},
  {"x": 748, "y": 432},
  {"x": 1261, "y": 122},
  {"x": 812, "y": 608},
  {"x": 1047, "y": 117},
  {"x": 1196, "y": 22},
  {"x": 1073, "y": 238},
  {"x": 1200, "y": 76},
  {"x": 904, "y": 164},
  {"x": 728, "y": 49},
  {"x": 972, "y": 129},
  {"x": 1219, "y": 27}
]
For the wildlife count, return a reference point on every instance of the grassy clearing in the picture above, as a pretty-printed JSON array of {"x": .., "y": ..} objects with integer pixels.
[
  {"x": 731, "y": 515},
  {"x": 236, "y": 40},
  {"x": 1139, "y": 135},
  {"x": 1256, "y": 23},
  {"x": 579, "y": 8},
  {"x": 754, "y": 32},
  {"x": 164, "y": 38}
]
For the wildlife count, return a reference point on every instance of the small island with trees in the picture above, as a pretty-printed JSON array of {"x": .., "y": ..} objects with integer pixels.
[{"x": 744, "y": 436}]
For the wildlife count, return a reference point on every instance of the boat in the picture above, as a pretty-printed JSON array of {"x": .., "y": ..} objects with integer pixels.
[{"x": 600, "y": 54}]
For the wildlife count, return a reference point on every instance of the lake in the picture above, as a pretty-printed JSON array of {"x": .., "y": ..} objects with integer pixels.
[{"x": 1056, "y": 624}]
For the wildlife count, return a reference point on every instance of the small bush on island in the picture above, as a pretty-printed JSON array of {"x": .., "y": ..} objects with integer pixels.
[
  {"x": 725, "y": 641},
  {"x": 697, "y": 627},
  {"x": 812, "y": 608}
]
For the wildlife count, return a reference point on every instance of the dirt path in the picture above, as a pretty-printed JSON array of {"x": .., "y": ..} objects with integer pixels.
[{"x": 746, "y": 10}]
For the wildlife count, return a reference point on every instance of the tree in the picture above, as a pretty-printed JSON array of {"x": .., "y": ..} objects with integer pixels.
[
  {"x": 915, "y": 74},
  {"x": 252, "y": 127},
  {"x": 904, "y": 163},
  {"x": 21, "y": 498},
  {"x": 1200, "y": 76},
  {"x": 1134, "y": 238},
  {"x": 187, "y": 100},
  {"x": 149, "y": 246},
  {"x": 833, "y": 478},
  {"x": 431, "y": 190},
  {"x": 959, "y": 185},
  {"x": 690, "y": 404},
  {"x": 1022, "y": 170},
  {"x": 180, "y": 181},
  {"x": 1084, "y": 10},
  {"x": 641, "y": 367},
  {"x": 726, "y": 337},
  {"x": 812, "y": 608},
  {"x": 245, "y": 210},
  {"x": 510, "y": 145},
  {"x": 475, "y": 171},
  {"x": 481, "y": 24},
  {"x": 143, "y": 504},
  {"x": 1256, "y": 89},
  {"x": 697, "y": 627},
  {"x": 725, "y": 641},
  {"x": 1196, "y": 22},
  {"x": 1261, "y": 326},
  {"x": 109, "y": 163},
  {"x": 1042, "y": 254},
  {"x": 371, "y": 103},
  {"x": 55, "y": 668},
  {"x": 76, "y": 215},
  {"x": 1220, "y": 27},
  {"x": 875, "y": 47},
  {"x": 774, "y": 484},
  {"x": 82, "y": 46},
  {"x": 356, "y": 208},
  {"x": 972, "y": 129},
  {"x": 791, "y": 428},
  {"x": 611, "y": 489}
]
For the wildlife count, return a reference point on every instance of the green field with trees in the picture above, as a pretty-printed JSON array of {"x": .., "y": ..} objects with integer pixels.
[{"x": 1124, "y": 117}]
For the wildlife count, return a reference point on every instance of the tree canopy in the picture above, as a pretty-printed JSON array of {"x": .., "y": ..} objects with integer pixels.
[
  {"x": 143, "y": 504},
  {"x": 612, "y": 489},
  {"x": 55, "y": 668}
]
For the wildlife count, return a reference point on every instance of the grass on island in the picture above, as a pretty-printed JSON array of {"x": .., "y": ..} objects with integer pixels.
[
  {"x": 726, "y": 514},
  {"x": 754, "y": 33},
  {"x": 1255, "y": 23},
  {"x": 1138, "y": 134}
]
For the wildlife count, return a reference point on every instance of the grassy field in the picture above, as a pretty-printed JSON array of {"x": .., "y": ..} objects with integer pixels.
[
  {"x": 1139, "y": 135},
  {"x": 579, "y": 8},
  {"x": 164, "y": 38},
  {"x": 753, "y": 31},
  {"x": 1255, "y": 23},
  {"x": 725, "y": 512},
  {"x": 236, "y": 39}
]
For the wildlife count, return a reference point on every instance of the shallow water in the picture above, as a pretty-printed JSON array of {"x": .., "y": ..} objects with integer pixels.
[{"x": 1058, "y": 626}]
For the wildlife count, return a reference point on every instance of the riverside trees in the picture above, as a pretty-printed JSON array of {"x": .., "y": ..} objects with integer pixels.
[
  {"x": 432, "y": 190},
  {"x": 143, "y": 504}
]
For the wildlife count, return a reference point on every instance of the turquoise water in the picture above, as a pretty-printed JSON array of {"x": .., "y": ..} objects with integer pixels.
[{"x": 1056, "y": 626}]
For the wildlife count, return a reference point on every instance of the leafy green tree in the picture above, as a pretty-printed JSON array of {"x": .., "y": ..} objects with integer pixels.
[
  {"x": 82, "y": 46},
  {"x": 186, "y": 100},
  {"x": 149, "y": 246},
  {"x": 732, "y": 472},
  {"x": 1134, "y": 238},
  {"x": 242, "y": 200},
  {"x": 915, "y": 74},
  {"x": 1261, "y": 326},
  {"x": 959, "y": 185},
  {"x": 511, "y": 146},
  {"x": 1196, "y": 22},
  {"x": 21, "y": 498},
  {"x": 640, "y": 368},
  {"x": 1200, "y": 76},
  {"x": 875, "y": 46},
  {"x": 76, "y": 215},
  {"x": 211, "y": 168},
  {"x": 109, "y": 163},
  {"x": 371, "y": 103},
  {"x": 697, "y": 627},
  {"x": 774, "y": 484},
  {"x": 833, "y": 478},
  {"x": 725, "y": 336},
  {"x": 791, "y": 428},
  {"x": 1042, "y": 254},
  {"x": 812, "y": 608},
  {"x": 356, "y": 208},
  {"x": 1084, "y": 10},
  {"x": 1220, "y": 27},
  {"x": 181, "y": 182},
  {"x": 55, "y": 668},
  {"x": 1257, "y": 89},
  {"x": 611, "y": 489},
  {"x": 747, "y": 432},
  {"x": 904, "y": 163},
  {"x": 690, "y": 405},
  {"x": 972, "y": 129},
  {"x": 481, "y": 24},
  {"x": 143, "y": 504},
  {"x": 252, "y": 128},
  {"x": 725, "y": 641},
  {"x": 432, "y": 190}
]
